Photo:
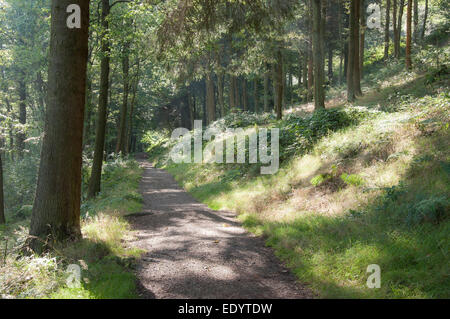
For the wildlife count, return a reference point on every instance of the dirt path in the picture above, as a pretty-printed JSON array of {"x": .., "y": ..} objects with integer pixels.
[{"x": 194, "y": 252}]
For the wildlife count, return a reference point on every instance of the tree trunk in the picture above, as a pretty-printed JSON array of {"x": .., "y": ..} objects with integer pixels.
[
  {"x": 210, "y": 101},
  {"x": 310, "y": 52},
  {"x": 56, "y": 210},
  {"x": 220, "y": 97},
  {"x": 279, "y": 84},
  {"x": 408, "y": 35},
  {"x": 2, "y": 201},
  {"x": 351, "y": 53},
  {"x": 266, "y": 89},
  {"x": 395, "y": 24},
  {"x": 231, "y": 93},
  {"x": 386, "y": 30},
  {"x": 22, "y": 91},
  {"x": 121, "y": 136},
  {"x": 416, "y": 21},
  {"x": 132, "y": 104},
  {"x": 244, "y": 94},
  {"x": 356, "y": 61},
  {"x": 88, "y": 112},
  {"x": 319, "y": 95},
  {"x": 399, "y": 24},
  {"x": 362, "y": 38},
  {"x": 255, "y": 95},
  {"x": 94, "y": 182},
  {"x": 422, "y": 34}
]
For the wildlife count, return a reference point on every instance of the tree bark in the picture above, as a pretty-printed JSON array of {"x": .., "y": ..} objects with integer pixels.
[
  {"x": 319, "y": 94},
  {"x": 279, "y": 84},
  {"x": 399, "y": 24},
  {"x": 408, "y": 35},
  {"x": 356, "y": 61},
  {"x": 351, "y": 53},
  {"x": 310, "y": 52},
  {"x": 121, "y": 136},
  {"x": 56, "y": 210},
  {"x": 22, "y": 91},
  {"x": 416, "y": 21},
  {"x": 94, "y": 182},
  {"x": 395, "y": 24},
  {"x": 386, "y": 30},
  {"x": 362, "y": 38},
  {"x": 244, "y": 94},
  {"x": 210, "y": 101},
  {"x": 2, "y": 201},
  {"x": 132, "y": 105},
  {"x": 266, "y": 89},
  {"x": 231, "y": 93},
  {"x": 255, "y": 95},
  {"x": 422, "y": 34}
]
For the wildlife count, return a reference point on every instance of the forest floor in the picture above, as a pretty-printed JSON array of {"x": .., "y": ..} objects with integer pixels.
[{"x": 195, "y": 252}]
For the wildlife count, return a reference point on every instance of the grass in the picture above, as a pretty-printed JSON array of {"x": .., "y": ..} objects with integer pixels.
[
  {"x": 371, "y": 193},
  {"x": 106, "y": 263}
]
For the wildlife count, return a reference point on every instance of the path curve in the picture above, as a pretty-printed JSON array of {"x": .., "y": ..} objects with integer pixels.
[{"x": 195, "y": 252}]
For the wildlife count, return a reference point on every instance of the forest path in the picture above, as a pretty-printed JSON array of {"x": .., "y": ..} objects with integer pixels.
[{"x": 194, "y": 252}]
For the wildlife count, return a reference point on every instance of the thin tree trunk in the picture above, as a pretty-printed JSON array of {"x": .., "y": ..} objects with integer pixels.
[
  {"x": 319, "y": 95},
  {"x": 121, "y": 136},
  {"x": 210, "y": 101},
  {"x": 362, "y": 38},
  {"x": 399, "y": 25},
  {"x": 416, "y": 21},
  {"x": 56, "y": 210},
  {"x": 132, "y": 104},
  {"x": 266, "y": 89},
  {"x": 356, "y": 61},
  {"x": 351, "y": 53},
  {"x": 422, "y": 34},
  {"x": 255, "y": 95},
  {"x": 279, "y": 84},
  {"x": 408, "y": 35},
  {"x": 244, "y": 94},
  {"x": 231, "y": 93},
  {"x": 94, "y": 182},
  {"x": 386, "y": 30},
  {"x": 220, "y": 97},
  {"x": 310, "y": 52},
  {"x": 395, "y": 24},
  {"x": 2, "y": 201},
  {"x": 22, "y": 91}
]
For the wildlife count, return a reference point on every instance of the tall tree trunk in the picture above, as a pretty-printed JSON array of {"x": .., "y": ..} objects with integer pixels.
[
  {"x": 2, "y": 201},
  {"x": 22, "y": 91},
  {"x": 310, "y": 52},
  {"x": 416, "y": 21},
  {"x": 220, "y": 97},
  {"x": 94, "y": 182},
  {"x": 395, "y": 24},
  {"x": 132, "y": 104},
  {"x": 255, "y": 95},
  {"x": 266, "y": 89},
  {"x": 362, "y": 39},
  {"x": 330, "y": 64},
  {"x": 422, "y": 34},
  {"x": 210, "y": 101},
  {"x": 386, "y": 30},
  {"x": 56, "y": 210},
  {"x": 408, "y": 35},
  {"x": 351, "y": 53},
  {"x": 319, "y": 95},
  {"x": 121, "y": 136},
  {"x": 244, "y": 94},
  {"x": 88, "y": 112},
  {"x": 231, "y": 93},
  {"x": 357, "y": 71},
  {"x": 399, "y": 24},
  {"x": 279, "y": 84}
]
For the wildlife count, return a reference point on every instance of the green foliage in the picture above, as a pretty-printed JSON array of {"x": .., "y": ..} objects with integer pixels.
[{"x": 352, "y": 179}]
